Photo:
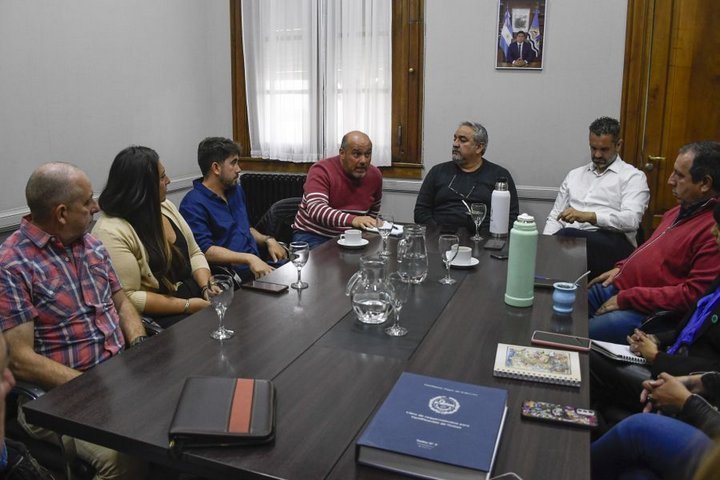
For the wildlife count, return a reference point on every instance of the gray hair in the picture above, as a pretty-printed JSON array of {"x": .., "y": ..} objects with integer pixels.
[
  {"x": 481, "y": 135},
  {"x": 50, "y": 185}
]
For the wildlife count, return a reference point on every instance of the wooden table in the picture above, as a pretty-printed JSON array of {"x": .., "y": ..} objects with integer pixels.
[{"x": 332, "y": 372}]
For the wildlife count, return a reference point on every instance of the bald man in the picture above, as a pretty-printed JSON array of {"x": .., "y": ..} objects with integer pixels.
[
  {"x": 63, "y": 310},
  {"x": 340, "y": 192}
]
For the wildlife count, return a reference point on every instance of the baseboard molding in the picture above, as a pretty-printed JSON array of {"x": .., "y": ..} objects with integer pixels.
[
  {"x": 525, "y": 192},
  {"x": 10, "y": 219}
]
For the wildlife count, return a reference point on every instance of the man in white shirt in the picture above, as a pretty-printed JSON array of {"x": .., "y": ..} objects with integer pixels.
[{"x": 603, "y": 201}]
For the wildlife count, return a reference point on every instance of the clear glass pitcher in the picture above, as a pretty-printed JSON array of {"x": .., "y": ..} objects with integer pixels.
[
  {"x": 369, "y": 291},
  {"x": 412, "y": 254}
]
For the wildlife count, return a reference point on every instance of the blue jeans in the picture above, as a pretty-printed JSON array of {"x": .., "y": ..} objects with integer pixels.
[
  {"x": 647, "y": 445},
  {"x": 313, "y": 239},
  {"x": 613, "y": 326}
]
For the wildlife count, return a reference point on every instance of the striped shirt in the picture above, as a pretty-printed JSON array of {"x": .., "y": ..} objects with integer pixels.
[
  {"x": 67, "y": 292},
  {"x": 332, "y": 199}
]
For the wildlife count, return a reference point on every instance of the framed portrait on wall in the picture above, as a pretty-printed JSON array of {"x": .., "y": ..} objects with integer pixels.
[{"x": 521, "y": 34}]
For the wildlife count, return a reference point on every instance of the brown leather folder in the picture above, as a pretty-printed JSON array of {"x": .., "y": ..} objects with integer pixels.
[{"x": 217, "y": 411}]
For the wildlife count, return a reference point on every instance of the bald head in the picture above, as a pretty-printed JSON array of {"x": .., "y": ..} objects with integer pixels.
[
  {"x": 50, "y": 185},
  {"x": 355, "y": 154}
]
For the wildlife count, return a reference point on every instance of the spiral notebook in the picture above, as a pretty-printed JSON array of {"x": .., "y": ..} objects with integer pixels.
[
  {"x": 537, "y": 364},
  {"x": 617, "y": 351}
]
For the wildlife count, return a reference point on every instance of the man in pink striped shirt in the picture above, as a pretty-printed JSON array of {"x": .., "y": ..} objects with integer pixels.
[{"x": 341, "y": 192}]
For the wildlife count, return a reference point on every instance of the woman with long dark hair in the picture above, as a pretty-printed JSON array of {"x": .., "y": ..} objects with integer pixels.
[{"x": 161, "y": 267}]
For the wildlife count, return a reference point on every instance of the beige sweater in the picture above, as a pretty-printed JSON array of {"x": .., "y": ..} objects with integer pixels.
[{"x": 129, "y": 256}]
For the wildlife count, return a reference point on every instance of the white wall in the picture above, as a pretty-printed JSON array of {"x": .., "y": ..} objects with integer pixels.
[
  {"x": 82, "y": 79},
  {"x": 537, "y": 121}
]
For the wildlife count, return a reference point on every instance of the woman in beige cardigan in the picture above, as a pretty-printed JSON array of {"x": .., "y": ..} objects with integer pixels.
[{"x": 160, "y": 266}]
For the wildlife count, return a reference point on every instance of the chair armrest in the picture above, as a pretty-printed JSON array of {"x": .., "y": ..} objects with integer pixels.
[
  {"x": 151, "y": 326},
  {"x": 28, "y": 390}
]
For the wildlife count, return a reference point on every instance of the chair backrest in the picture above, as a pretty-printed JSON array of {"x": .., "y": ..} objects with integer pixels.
[
  {"x": 278, "y": 219},
  {"x": 262, "y": 190}
]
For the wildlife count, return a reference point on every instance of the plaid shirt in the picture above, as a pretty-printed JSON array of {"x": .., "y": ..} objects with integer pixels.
[{"x": 69, "y": 299}]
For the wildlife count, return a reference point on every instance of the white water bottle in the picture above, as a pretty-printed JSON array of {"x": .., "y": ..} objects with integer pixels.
[{"x": 500, "y": 209}]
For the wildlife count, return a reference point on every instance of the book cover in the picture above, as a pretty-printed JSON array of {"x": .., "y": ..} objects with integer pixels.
[
  {"x": 435, "y": 428},
  {"x": 537, "y": 364},
  {"x": 617, "y": 351},
  {"x": 223, "y": 411}
]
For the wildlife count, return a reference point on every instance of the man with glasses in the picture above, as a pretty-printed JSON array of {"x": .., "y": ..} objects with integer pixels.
[{"x": 451, "y": 187}]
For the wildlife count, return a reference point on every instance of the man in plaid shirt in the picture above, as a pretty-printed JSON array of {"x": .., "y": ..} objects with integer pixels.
[{"x": 62, "y": 308}]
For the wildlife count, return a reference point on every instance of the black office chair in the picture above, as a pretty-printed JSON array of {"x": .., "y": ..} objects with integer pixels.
[
  {"x": 661, "y": 321},
  {"x": 55, "y": 458},
  {"x": 278, "y": 219}
]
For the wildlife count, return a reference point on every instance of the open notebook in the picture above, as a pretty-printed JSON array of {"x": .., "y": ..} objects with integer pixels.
[{"x": 617, "y": 351}]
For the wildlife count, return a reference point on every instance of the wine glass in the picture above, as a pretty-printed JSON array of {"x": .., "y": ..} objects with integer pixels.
[
  {"x": 221, "y": 289},
  {"x": 385, "y": 225},
  {"x": 299, "y": 252},
  {"x": 477, "y": 212},
  {"x": 401, "y": 290},
  {"x": 449, "y": 246}
]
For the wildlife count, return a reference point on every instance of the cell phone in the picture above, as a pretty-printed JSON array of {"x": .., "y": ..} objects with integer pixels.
[
  {"x": 494, "y": 244},
  {"x": 554, "y": 412},
  {"x": 499, "y": 256},
  {"x": 545, "y": 282},
  {"x": 265, "y": 286},
  {"x": 559, "y": 340}
]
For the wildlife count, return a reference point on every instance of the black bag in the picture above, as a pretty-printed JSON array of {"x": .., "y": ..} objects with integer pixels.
[{"x": 21, "y": 465}]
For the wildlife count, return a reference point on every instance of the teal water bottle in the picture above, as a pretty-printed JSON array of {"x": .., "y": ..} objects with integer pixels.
[{"x": 521, "y": 262}]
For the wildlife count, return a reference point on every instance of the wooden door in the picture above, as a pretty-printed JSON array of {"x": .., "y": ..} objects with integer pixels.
[{"x": 671, "y": 88}]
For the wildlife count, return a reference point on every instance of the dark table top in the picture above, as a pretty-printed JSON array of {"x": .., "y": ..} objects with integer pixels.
[{"x": 331, "y": 372}]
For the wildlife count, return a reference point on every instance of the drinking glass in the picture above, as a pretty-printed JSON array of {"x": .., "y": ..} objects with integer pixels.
[
  {"x": 477, "y": 212},
  {"x": 385, "y": 226},
  {"x": 221, "y": 289},
  {"x": 449, "y": 246},
  {"x": 299, "y": 252},
  {"x": 401, "y": 290}
]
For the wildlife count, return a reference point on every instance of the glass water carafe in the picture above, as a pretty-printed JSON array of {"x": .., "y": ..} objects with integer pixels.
[
  {"x": 412, "y": 254},
  {"x": 369, "y": 292}
]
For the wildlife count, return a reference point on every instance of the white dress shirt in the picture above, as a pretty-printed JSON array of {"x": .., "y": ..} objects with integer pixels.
[{"x": 618, "y": 197}]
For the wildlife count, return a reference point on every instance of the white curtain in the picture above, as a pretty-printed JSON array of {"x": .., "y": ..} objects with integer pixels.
[{"x": 314, "y": 70}]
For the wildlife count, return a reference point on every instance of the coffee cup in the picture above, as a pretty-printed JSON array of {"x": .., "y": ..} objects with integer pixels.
[
  {"x": 351, "y": 237},
  {"x": 464, "y": 256}
]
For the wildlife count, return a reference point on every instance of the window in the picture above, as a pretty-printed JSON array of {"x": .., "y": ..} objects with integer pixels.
[{"x": 405, "y": 120}]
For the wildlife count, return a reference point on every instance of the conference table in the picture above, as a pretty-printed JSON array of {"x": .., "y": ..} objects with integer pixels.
[{"x": 331, "y": 372}]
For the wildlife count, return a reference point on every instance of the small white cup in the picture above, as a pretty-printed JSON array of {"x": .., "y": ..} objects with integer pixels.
[
  {"x": 351, "y": 237},
  {"x": 464, "y": 256}
]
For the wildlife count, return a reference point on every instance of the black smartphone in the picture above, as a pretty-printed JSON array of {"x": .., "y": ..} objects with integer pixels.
[
  {"x": 545, "y": 282},
  {"x": 499, "y": 256},
  {"x": 268, "y": 287},
  {"x": 554, "y": 412},
  {"x": 494, "y": 244},
  {"x": 559, "y": 340}
]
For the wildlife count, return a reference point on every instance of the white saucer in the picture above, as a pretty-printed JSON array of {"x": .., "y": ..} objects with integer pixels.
[
  {"x": 344, "y": 244},
  {"x": 473, "y": 262}
]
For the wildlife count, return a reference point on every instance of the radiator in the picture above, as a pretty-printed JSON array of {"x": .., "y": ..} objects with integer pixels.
[{"x": 264, "y": 189}]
